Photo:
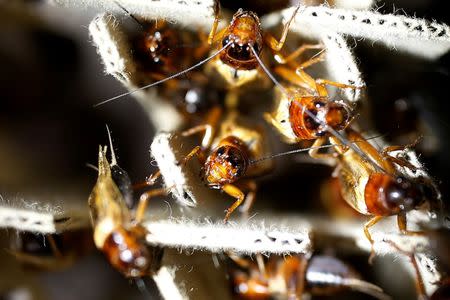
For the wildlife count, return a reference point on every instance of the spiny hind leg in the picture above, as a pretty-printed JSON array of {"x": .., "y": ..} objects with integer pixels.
[
  {"x": 420, "y": 286},
  {"x": 402, "y": 162},
  {"x": 388, "y": 149}
]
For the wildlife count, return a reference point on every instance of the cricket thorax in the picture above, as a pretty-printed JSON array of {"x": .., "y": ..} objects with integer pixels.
[
  {"x": 332, "y": 114},
  {"x": 227, "y": 163}
]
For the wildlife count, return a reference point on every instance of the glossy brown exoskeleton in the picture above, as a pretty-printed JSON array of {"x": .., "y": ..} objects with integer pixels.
[
  {"x": 376, "y": 187},
  {"x": 304, "y": 93},
  {"x": 293, "y": 276},
  {"x": 117, "y": 233},
  {"x": 226, "y": 158},
  {"x": 243, "y": 39}
]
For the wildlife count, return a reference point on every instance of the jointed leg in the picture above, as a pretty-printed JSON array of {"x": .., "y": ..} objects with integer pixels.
[
  {"x": 312, "y": 61},
  {"x": 251, "y": 187},
  {"x": 300, "y": 77},
  {"x": 207, "y": 136},
  {"x": 320, "y": 84},
  {"x": 234, "y": 192},
  {"x": 143, "y": 202},
  {"x": 303, "y": 80},
  {"x": 277, "y": 45},
  {"x": 368, "y": 149},
  {"x": 198, "y": 152},
  {"x": 324, "y": 82},
  {"x": 420, "y": 287},
  {"x": 213, "y": 31},
  {"x": 149, "y": 181},
  {"x": 388, "y": 149},
  {"x": 212, "y": 119},
  {"x": 314, "y": 152},
  {"x": 403, "y": 226},
  {"x": 214, "y": 36},
  {"x": 400, "y": 161},
  {"x": 369, "y": 224},
  {"x": 300, "y": 50}
]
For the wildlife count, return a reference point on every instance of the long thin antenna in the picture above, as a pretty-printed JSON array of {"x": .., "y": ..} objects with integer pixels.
[
  {"x": 318, "y": 53},
  {"x": 89, "y": 165},
  {"x": 331, "y": 130},
  {"x": 113, "y": 154},
  {"x": 167, "y": 78},
  {"x": 129, "y": 14},
  {"x": 307, "y": 149}
]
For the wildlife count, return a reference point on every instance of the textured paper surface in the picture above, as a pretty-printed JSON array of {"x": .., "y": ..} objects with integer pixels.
[
  {"x": 114, "y": 50},
  {"x": 34, "y": 215},
  {"x": 183, "y": 12},
  {"x": 240, "y": 237},
  {"x": 416, "y": 36}
]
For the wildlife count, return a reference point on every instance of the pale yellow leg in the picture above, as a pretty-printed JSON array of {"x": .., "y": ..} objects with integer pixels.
[
  {"x": 300, "y": 50},
  {"x": 251, "y": 187},
  {"x": 234, "y": 192},
  {"x": 143, "y": 203},
  {"x": 198, "y": 152}
]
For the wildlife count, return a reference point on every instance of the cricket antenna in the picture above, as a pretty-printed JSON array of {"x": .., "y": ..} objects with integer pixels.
[
  {"x": 365, "y": 287},
  {"x": 129, "y": 14},
  {"x": 331, "y": 130},
  {"x": 306, "y": 149},
  {"x": 113, "y": 154},
  {"x": 91, "y": 166},
  {"x": 167, "y": 78}
]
